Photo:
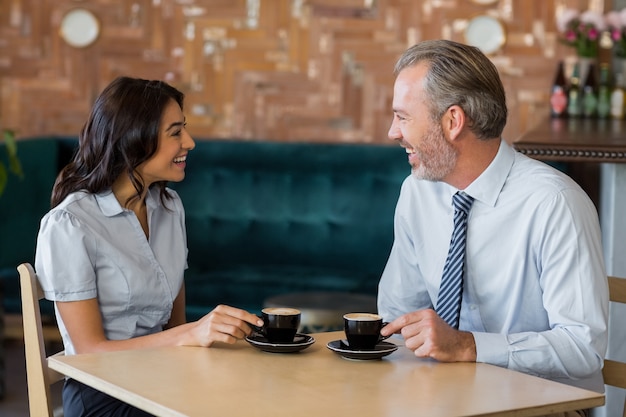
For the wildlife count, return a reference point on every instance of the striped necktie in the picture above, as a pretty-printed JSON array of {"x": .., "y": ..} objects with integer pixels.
[{"x": 451, "y": 289}]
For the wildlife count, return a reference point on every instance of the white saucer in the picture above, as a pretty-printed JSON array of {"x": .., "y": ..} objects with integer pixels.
[
  {"x": 380, "y": 350},
  {"x": 300, "y": 342}
]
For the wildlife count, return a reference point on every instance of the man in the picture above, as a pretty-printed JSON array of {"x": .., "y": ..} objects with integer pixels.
[{"x": 533, "y": 291}]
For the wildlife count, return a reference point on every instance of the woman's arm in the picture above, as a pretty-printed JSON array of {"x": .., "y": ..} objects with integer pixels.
[
  {"x": 224, "y": 324},
  {"x": 178, "y": 316}
]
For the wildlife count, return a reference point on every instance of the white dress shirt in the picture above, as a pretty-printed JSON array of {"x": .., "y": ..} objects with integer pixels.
[
  {"x": 535, "y": 293},
  {"x": 89, "y": 246}
]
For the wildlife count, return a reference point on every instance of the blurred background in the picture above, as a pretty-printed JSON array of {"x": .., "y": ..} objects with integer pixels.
[{"x": 287, "y": 70}]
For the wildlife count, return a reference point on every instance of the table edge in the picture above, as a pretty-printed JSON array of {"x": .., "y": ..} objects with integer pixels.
[{"x": 113, "y": 390}]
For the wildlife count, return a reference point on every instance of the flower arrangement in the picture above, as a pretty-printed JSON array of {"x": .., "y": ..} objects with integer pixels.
[
  {"x": 581, "y": 31},
  {"x": 616, "y": 25}
]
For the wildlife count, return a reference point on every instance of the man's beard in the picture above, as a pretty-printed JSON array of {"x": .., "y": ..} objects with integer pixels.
[{"x": 436, "y": 156}]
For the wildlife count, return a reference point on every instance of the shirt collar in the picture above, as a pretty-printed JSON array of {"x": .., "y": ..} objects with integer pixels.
[
  {"x": 111, "y": 207},
  {"x": 487, "y": 187}
]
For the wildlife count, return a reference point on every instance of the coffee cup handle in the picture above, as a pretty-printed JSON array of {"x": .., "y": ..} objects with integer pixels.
[
  {"x": 381, "y": 337},
  {"x": 257, "y": 329}
]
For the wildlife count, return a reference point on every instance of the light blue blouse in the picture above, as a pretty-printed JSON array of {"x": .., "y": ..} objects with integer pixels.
[
  {"x": 535, "y": 294},
  {"x": 90, "y": 247}
]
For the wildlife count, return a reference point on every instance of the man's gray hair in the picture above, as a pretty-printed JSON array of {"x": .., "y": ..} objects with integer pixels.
[{"x": 460, "y": 75}]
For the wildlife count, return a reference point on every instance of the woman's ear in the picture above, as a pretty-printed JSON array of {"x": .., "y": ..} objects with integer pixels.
[{"x": 453, "y": 122}]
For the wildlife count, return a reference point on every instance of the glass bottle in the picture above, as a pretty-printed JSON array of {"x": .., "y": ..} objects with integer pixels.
[
  {"x": 617, "y": 97},
  {"x": 590, "y": 94},
  {"x": 558, "y": 96},
  {"x": 574, "y": 105},
  {"x": 604, "y": 92}
]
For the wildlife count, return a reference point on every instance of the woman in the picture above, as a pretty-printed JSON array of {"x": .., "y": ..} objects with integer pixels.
[{"x": 112, "y": 251}]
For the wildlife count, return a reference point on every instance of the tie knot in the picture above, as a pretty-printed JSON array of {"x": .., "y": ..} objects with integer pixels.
[{"x": 462, "y": 202}]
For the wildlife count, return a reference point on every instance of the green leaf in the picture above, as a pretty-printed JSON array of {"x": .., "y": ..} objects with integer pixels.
[
  {"x": 15, "y": 166},
  {"x": 11, "y": 146},
  {"x": 9, "y": 140}
]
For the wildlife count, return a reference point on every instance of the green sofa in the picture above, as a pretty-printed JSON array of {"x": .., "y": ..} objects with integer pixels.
[{"x": 263, "y": 218}]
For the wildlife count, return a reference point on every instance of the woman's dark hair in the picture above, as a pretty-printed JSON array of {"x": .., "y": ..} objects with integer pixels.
[{"x": 121, "y": 132}]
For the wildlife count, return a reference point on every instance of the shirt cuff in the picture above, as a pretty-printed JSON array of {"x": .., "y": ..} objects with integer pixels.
[{"x": 492, "y": 348}]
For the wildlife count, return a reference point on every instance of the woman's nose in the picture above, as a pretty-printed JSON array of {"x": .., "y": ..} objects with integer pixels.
[{"x": 189, "y": 142}]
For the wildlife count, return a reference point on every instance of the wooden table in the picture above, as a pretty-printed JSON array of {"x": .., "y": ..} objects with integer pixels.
[{"x": 239, "y": 380}]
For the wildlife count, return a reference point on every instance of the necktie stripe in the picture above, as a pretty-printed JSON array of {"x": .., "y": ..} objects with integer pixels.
[{"x": 451, "y": 287}]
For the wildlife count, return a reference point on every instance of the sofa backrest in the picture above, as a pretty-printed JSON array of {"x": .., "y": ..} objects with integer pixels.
[
  {"x": 255, "y": 204},
  {"x": 23, "y": 204},
  {"x": 250, "y": 206},
  {"x": 26, "y": 200}
]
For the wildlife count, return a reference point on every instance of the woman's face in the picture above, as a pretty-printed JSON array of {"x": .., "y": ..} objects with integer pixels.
[{"x": 168, "y": 162}]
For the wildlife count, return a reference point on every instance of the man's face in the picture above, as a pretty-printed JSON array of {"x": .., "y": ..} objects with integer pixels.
[{"x": 431, "y": 156}]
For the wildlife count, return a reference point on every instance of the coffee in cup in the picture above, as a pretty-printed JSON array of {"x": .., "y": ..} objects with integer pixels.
[
  {"x": 280, "y": 324},
  {"x": 363, "y": 330}
]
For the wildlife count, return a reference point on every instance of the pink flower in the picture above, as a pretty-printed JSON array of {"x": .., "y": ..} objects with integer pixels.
[
  {"x": 613, "y": 19},
  {"x": 616, "y": 22},
  {"x": 582, "y": 31},
  {"x": 622, "y": 17},
  {"x": 565, "y": 18},
  {"x": 616, "y": 34},
  {"x": 593, "y": 18}
]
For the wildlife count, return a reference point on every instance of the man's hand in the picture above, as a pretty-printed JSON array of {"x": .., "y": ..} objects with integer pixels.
[{"x": 427, "y": 335}]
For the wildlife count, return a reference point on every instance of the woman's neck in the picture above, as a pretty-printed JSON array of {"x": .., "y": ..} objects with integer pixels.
[{"x": 126, "y": 195}]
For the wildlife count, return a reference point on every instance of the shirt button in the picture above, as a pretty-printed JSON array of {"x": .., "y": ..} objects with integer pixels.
[{"x": 473, "y": 307}]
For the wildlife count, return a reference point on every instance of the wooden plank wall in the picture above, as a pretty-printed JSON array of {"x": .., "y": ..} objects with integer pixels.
[{"x": 288, "y": 70}]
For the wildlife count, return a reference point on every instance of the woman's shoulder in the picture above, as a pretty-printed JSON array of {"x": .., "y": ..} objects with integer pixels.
[
  {"x": 76, "y": 201},
  {"x": 77, "y": 207}
]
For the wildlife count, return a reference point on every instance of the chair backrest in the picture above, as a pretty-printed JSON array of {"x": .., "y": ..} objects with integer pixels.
[
  {"x": 614, "y": 372},
  {"x": 39, "y": 376}
]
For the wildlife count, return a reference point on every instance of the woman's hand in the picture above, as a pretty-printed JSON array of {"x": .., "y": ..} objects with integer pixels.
[{"x": 224, "y": 324}]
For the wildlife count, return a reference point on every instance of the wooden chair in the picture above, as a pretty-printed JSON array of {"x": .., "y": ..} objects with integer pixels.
[
  {"x": 615, "y": 372},
  {"x": 39, "y": 376}
]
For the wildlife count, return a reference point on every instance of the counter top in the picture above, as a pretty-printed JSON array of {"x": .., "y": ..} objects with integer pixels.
[{"x": 591, "y": 140}]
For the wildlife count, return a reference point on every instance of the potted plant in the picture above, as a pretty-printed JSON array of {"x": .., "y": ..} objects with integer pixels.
[{"x": 14, "y": 166}]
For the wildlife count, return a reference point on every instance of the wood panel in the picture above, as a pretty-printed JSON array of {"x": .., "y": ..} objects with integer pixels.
[{"x": 290, "y": 70}]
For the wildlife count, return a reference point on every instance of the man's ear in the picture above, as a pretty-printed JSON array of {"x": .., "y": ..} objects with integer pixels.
[{"x": 453, "y": 122}]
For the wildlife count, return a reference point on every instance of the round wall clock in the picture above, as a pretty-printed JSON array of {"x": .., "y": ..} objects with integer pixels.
[
  {"x": 79, "y": 28},
  {"x": 486, "y": 33}
]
